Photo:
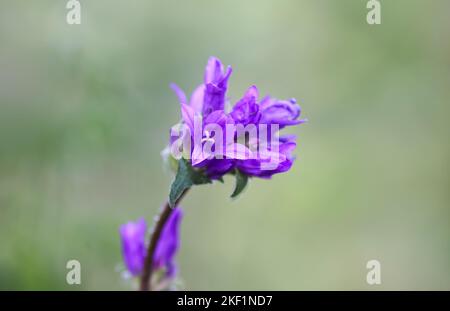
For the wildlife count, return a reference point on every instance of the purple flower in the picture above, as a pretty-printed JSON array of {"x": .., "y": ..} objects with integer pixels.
[
  {"x": 279, "y": 161},
  {"x": 210, "y": 150},
  {"x": 209, "y": 96},
  {"x": 246, "y": 110},
  {"x": 277, "y": 156},
  {"x": 207, "y": 104},
  {"x": 216, "y": 80},
  {"x": 133, "y": 245},
  {"x": 281, "y": 112},
  {"x": 134, "y": 250}
]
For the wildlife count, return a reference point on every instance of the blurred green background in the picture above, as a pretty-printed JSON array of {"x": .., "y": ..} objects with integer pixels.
[{"x": 85, "y": 110}]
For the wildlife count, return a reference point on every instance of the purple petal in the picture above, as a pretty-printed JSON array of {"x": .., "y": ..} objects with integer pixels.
[
  {"x": 238, "y": 151},
  {"x": 199, "y": 156},
  {"x": 216, "y": 83},
  {"x": 246, "y": 110},
  {"x": 197, "y": 98},
  {"x": 179, "y": 93},
  {"x": 216, "y": 168},
  {"x": 213, "y": 70},
  {"x": 281, "y": 112},
  {"x": 133, "y": 245},
  {"x": 216, "y": 117},
  {"x": 252, "y": 92},
  {"x": 187, "y": 113},
  {"x": 281, "y": 161}
]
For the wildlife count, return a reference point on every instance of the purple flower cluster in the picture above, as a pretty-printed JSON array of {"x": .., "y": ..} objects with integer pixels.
[
  {"x": 134, "y": 249},
  {"x": 232, "y": 148},
  {"x": 207, "y": 102}
]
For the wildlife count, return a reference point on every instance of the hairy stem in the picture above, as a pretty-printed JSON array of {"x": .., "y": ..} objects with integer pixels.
[{"x": 148, "y": 265}]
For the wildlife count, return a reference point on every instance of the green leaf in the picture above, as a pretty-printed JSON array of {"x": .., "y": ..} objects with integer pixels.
[
  {"x": 241, "y": 183},
  {"x": 186, "y": 177}
]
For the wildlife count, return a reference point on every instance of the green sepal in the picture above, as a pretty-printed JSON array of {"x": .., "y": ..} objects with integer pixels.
[
  {"x": 186, "y": 177},
  {"x": 241, "y": 183}
]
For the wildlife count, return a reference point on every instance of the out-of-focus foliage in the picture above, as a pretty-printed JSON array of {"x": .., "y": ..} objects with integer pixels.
[{"x": 85, "y": 111}]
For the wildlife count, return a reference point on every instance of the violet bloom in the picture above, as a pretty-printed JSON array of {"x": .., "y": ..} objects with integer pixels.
[
  {"x": 134, "y": 249},
  {"x": 211, "y": 144},
  {"x": 218, "y": 158},
  {"x": 284, "y": 160},
  {"x": 207, "y": 103},
  {"x": 216, "y": 80},
  {"x": 209, "y": 96},
  {"x": 281, "y": 112},
  {"x": 132, "y": 235},
  {"x": 247, "y": 111},
  {"x": 270, "y": 112}
]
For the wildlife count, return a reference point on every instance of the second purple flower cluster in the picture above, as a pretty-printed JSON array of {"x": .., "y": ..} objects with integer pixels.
[{"x": 134, "y": 247}]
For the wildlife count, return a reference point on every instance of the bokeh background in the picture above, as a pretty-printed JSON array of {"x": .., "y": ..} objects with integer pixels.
[{"x": 85, "y": 110}]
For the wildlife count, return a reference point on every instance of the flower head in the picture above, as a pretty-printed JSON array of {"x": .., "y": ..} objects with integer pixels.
[
  {"x": 262, "y": 156},
  {"x": 134, "y": 250},
  {"x": 132, "y": 235}
]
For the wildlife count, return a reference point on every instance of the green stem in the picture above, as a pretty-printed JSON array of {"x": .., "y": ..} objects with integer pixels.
[{"x": 146, "y": 277}]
